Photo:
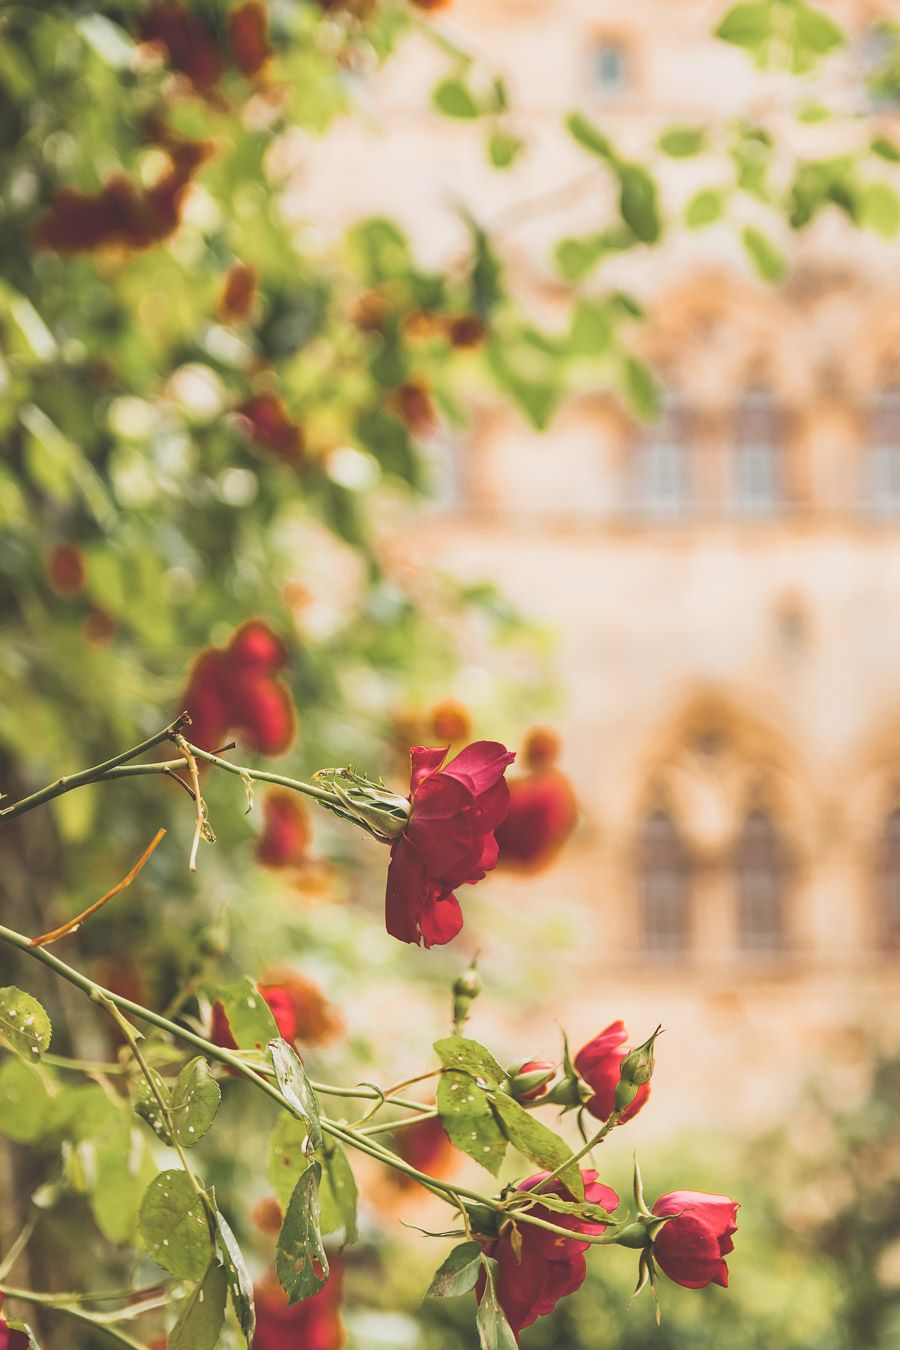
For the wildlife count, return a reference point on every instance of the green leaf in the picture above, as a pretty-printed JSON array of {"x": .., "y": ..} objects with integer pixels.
[
  {"x": 494, "y": 1331},
  {"x": 638, "y": 203},
  {"x": 452, "y": 98},
  {"x": 576, "y": 257},
  {"x": 641, "y": 388},
  {"x": 768, "y": 260},
  {"x": 537, "y": 1142},
  {"x": 287, "y": 1156},
  {"x": 466, "y": 1115},
  {"x": 249, "y": 1015},
  {"x": 458, "y": 1273},
  {"x": 24, "y": 1102},
  {"x": 880, "y": 209},
  {"x": 682, "y": 142},
  {"x": 338, "y": 1195},
  {"x": 705, "y": 207},
  {"x": 590, "y": 137},
  {"x": 504, "y": 148},
  {"x": 194, "y": 1102},
  {"x": 124, "y": 1170},
  {"x": 815, "y": 31},
  {"x": 174, "y": 1226},
  {"x": 240, "y": 1285},
  {"x": 295, "y": 1086},
  {"x": 147, "y": 1106},
  {"x": 746, "y": 25},
  {"x": 300, "y": 1260},
  {"x": 457, "y": 1052},
  {"x": 202, "y": 1314},
  {"x": 24, "y": 1025},
  {"x": 884, "y": 147},
  {"x": 591, "y": 329}
]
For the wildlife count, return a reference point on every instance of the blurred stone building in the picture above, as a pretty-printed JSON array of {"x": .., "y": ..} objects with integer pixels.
[{"x": 725, "y": 583}]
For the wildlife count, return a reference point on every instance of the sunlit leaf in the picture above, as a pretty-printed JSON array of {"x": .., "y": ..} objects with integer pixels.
[{"x": 24, "y": 1025}]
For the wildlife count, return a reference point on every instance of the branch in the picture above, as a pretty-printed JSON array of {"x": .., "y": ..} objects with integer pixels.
[{"x": 98, "y": 1322}]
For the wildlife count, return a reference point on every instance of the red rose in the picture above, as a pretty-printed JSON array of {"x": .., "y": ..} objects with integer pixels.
[
  {"x": 531, "y": 1283},
  {"x": 235, "y": 688},
  {"x": 598, "y": 1063},
  {"x": 691, "y": 1247},
  {"x": 286, "y": 831},
  {"x": 531, "y": 1081},
  {"x": 313, "y": 1324},
  {"x": 248, "y": 33},
  {"x": 66, "y": 570},
  {"x": 426, "y": 1147},
  {"x": 542, "y": 808},
  {"x": 449, "y": 840}
]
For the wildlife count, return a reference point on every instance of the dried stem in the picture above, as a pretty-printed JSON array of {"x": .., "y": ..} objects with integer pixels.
[{"x": 70, "y": 926}]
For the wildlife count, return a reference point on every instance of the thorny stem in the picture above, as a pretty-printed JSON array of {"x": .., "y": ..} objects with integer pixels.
[{"x": 343, "y": 1133}]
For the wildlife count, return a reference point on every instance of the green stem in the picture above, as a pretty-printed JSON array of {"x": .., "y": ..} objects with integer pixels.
[
  {"x": 53, "y": 1301},
  {"x": 609, "y": 1124},
  {"x": 390, "y": 1125}
]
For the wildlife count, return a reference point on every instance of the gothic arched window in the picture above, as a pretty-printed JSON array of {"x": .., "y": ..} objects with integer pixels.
[
  {"x": 664, "y": 870},
  {"x": 761, "y": 870},
  {"x": 664, "y": 487}
]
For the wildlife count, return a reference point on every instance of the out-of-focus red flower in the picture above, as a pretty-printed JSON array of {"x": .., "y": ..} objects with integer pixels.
[
  {"x": 238, "y": 292},
  {"x": 412, "y": 404},
  {"x": 300, "y": 1009},
  {"x": 267, "y": 1215},
  {"x": 466, "y": 331},
  {"x": 248, "y": 33},
  {"x": 123, "y": 214},
  {"x": 549, "y": 1266},
  {"x": 370, "y": 311},
  {"x": 236, "y": 688},
  {"x": 186, "y": 41},
  {"x": 423, "y": 323},
  {"x": 312, "y": 1324},
  {"x": 65, "y": 568},
  {"x": 542, "y": 809},
  {"x": 691, "y": 1247},
  {"x": 599, "y": 1063},
  {"x": 426, "y": 1147},
  {"x": 99, "y": 628},
  {"x": 449, "y": 840},
  {"x": 269, "y": 424},
  {"x": 10, "y": 1339},
  {"x": 450, "y": 721},
  {"x": 286, "y": 830}
]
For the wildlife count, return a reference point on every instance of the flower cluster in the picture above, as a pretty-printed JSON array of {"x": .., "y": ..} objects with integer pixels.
[
  {"x": 190, "y": 48},
  {"x": 236, "y": 689}
]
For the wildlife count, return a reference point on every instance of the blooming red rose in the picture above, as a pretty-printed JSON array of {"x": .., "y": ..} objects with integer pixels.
[
  {"x": 235, "y": 689},
  {"x": 531, "y": 1283},
  {"x": 248, "y": 33},
  {"x": 599, "y": 1063},
  {"x": 542, "y": 808},
  {"x": 312, "y": 1324},
  {"x": 691, "y": 1247},
  {"x": 286, "y": 831},
  {"x": 238, "y": 292},
  {"x": 449, "y": 840}
]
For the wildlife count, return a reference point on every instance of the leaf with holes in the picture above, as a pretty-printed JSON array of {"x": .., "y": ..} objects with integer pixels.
[
  {"x": 202, "y": 1314},
  {"x": 174, "y": 1226},
  {"x": 24, "y": 1025},
  {"x": 468, "y": 1120},
  {"x": 296, "y": 1088},
  {"x": 457, "y": 1052},
  {"x": 240, "y": 1285},
  {"x": 538, "y": 1143},
  {"x": 458, "y": 1274},
  {"x": 287, "y": 1156},
  {"x": 300, "y": 1260},
  {"x": 338, "y": 1195}
]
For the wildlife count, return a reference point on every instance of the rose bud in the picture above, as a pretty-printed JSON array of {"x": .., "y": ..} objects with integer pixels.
[
  {"x": 466, "y": 988},
  {"x": 256, "y": 649},
  {"x": 65, "y": 568},
  {"x": 286, "y": 830},
  {"x": 235, "y": 689},
  {"x": 542, "y": 809},
  {"x": 690, "y": 1247},
  {"x": 599, "y": 1063},
  {"x": 637, "y": 1066},
  {"x": 540, "y": 1268},
  {"x": 238, "y": 292},
  {"x": 248, "y": 33},
  {"x": 448, "y": 840},
  {"x": 264, "y": 711},
  {"x": 529, "y": 1081},
  {"x": 314, "y": 1323}
]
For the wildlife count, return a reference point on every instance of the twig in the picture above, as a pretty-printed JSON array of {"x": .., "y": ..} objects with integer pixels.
[
  {"x": 69, "y": 927},
  {"x": 200, "y": 825}
]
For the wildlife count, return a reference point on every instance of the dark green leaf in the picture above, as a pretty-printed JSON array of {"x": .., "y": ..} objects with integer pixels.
[
  {"x": 768, "y": 260},
  {"x": 337, "y": 1196},
  {"x": 466, "y": 1115},
  {"x": 452, "y": 98},
  {"x": 459, "y": 1273},
  {"x": 194, "y": 1102},
  {"x": 746, "y": 25},
  {"x": 249, "y": 1015},
  {"x": 202, "y": 1314},
  {"x": 682, "y": 142},
  {"x": 590, "y": 137},
  {"x": 147, "y": 1105},
  {"x": 494, "y": 1331},
  {"x": 295, "y": 1086},
  {"x": 526, "y": 1133},
  {"x": 705, "y": 207},
  {"x": 240, "y": 1285},
  {"x": 637, "y": 202},
  {"x": 300, "y": 1260},
  {"x": 174, "y": 1226},
  {"x": 886, "y": 149},
  {"x": 24, "y": 1024},
  {"x": 457, "y": 1052}
]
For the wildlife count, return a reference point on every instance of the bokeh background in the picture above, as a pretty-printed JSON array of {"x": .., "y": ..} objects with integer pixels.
[{"x": 649, "y": 498}]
